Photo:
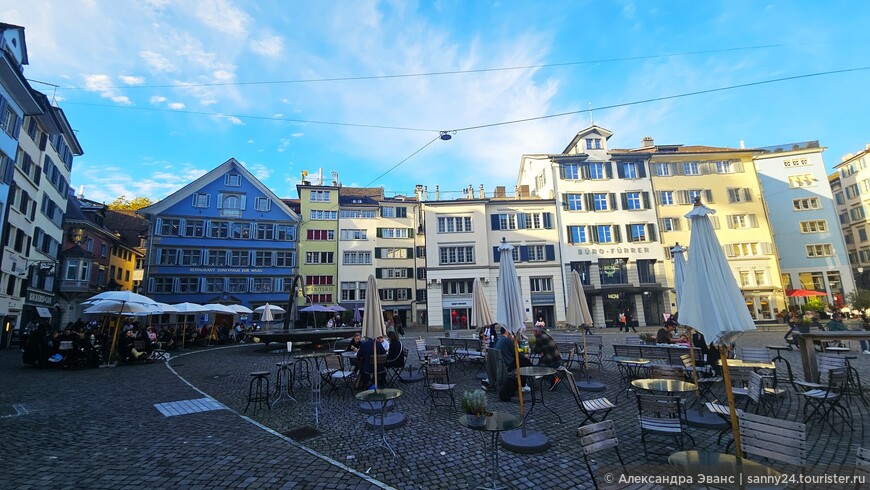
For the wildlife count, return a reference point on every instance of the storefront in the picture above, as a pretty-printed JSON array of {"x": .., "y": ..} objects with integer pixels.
[
  {"x": 456, "y": 314},
  {"x": 543, "y": 306}
]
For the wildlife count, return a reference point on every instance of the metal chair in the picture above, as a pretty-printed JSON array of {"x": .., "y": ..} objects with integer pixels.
[
  {"x": 632, "y": 340},
  {"x": 772, "y": 438},
  {"x": 394, "y": 371},
  {"x": 334, "y": 373},
  {"x": 724, "y": 413},
  {"x": 598, "y": 437},
  {"x": 754, "y": 354},
  {"x": 589, "y": 408},
  {"x": 706, "y": 378},
  {"x": 661, "y": 415},
  {"x": 439, "y": 385},
  {"x": 828, "y": 399},
  {"x": 666, "y": 372}
]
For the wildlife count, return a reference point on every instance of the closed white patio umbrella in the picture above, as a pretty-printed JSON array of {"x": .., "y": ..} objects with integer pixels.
[
  {"x": 373, "y": 325},
  {"x": 578, "y": 315},
  {"x": 679, "y": 255},
  {"x": 481, "y": 315}
]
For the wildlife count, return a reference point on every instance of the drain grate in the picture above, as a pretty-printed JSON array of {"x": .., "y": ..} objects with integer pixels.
[{"x": 302, "y": 433}]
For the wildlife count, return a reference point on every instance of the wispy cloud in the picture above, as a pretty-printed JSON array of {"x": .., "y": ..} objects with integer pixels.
[
  {"x": 131, "y": 80},
  {"x": 259, "y": 170},
  {"x": 157, "y": 61},
  {"x": 157, "y": 99},
  {"x": 268, "y": 46},
  {"x": 105, "y": 186},
  {"x": 176, "y": 105},
  {"x": 225, "y": 117},
  {"x": 102, "y": 84},
  {"x": 223, "y": 16}
]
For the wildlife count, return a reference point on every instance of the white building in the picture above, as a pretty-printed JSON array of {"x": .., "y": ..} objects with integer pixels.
[
  {"x": 851, "y": 187},
  {"x": 606, "y": 219}
]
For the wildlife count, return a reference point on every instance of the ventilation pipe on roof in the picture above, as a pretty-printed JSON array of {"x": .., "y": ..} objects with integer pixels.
[
  {"x": 482, "y": 194},
  {"x": 437, "y": 193}
]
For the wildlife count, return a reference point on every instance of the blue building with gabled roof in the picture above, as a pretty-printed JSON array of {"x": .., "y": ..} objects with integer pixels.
[{"x": 223, "y": 238}]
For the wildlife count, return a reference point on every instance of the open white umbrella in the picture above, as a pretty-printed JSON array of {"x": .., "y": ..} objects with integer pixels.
[
  {"x": 578, "y": 315},
  {"x": 114, "y": 307},
  {"x": 241, "y": 309},
  {"x": 510, "y": 304},
  {"x": 481, "y": 315},
  {"x": 711, "y": 300},
  {"x": 373, "y": 325},
  {"x": 219, "y": 308},
  {"x": 678, "y": 253},
  {"x": 122, "y": 298}
]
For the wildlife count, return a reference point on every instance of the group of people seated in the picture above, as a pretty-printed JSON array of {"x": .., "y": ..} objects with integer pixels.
[
  {"x": 545, "y": 348},
  {"x": 82, "y": 345},
  {"x": 364, "y": 367}
]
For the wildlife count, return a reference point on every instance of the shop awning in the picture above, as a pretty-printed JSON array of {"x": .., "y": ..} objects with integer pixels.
[{"x": 43, "y": 312}]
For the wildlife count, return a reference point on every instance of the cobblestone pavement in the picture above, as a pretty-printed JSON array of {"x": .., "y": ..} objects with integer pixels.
[{"x": 98, "y": 428}]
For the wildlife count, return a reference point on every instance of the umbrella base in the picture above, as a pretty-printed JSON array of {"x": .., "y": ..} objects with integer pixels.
[
  {"x": 704, "y": 420},
  {"x": 531, "y": 442},
  {"x": 590, "y": 385},
  {"x": 391, "y": 421},
  {"x": 411, "y": 376},
  {"x": 375, "y": 407}
]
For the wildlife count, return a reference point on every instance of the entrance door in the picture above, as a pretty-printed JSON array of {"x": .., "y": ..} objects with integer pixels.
[
  {"x": 547, "y": 313},
  {"x": 614, "y": 304}
]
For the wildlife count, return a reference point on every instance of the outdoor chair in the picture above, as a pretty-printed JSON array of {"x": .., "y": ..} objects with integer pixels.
[
  {"x": 723, "y": 413},
  {"x": 661, "y": 415},
  {"x": 423, "y": 353},
  {"x": 439, "y": 386},
  {"x": 826, "y": 402},
  {"x": 569, "y": 354},
  {"x": 589, "y": 408},
  {"x": 598, "y": 437},
  {"x": 394, "y": 371},
  {"x": 862, "y": 466},
  {"x": 666, "y": 372},
  {"x": 496, "y": 371},
  {"x": 825, "y": 363},
  {"x": 772, "y": 438},
  {"x": 706, "y": 378},
  {"x": 632, "y": 340},
  {"x": 334, "y": 373},
  {"x": 755, "y": 354},
  {"x": 755, "y": 391}
]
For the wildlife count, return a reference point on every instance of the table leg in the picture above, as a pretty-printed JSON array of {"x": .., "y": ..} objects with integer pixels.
[
  {"x": 544, "y": 403},
  {"x": 808, "y": 359}
]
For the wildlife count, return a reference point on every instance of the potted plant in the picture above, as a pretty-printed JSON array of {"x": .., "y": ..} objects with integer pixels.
[
  {"x": 647, "y": 338},
  {"x": 473, "y": 403},
  {"x": 804, "y": 325}
]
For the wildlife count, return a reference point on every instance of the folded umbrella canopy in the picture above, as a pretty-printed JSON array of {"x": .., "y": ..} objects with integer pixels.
[
  {"x": 481, "y": 315},
  {"x": 373, "y": 325},
  {"x": 578, "y": 314},
  {"x": 678, "y": 253}
]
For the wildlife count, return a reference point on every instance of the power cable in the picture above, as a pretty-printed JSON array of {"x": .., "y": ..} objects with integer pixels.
[{"x": 434, "y": 73}]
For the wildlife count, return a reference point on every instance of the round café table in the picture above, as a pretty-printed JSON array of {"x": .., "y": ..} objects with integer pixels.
[
  {"x": 381, "y": 396},
  {"x": 725, "y": 471},
  {"x": 668, "y": 386},
  {"x": 495, "y": 423},
  {"x": 630, "y": 370}
]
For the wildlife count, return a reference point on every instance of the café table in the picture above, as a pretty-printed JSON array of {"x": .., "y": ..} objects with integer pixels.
[
  {"x": 538, "y": 373},
  {"x": 306, "y": 359},
  {"x": 630, "y": 369},
  {"x": 496, "y": 423},
  {"x": 738, "y": 363},
  {"x": 382, "y": 396},
  {"x": 668, "y": 386},
  {"x": 725, "y": 471}
]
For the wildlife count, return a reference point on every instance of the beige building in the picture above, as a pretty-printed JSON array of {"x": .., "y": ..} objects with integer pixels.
[{"x": 850, "y": 184}]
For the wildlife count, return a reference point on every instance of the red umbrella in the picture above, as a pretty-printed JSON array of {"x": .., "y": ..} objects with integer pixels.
[{"x": 803, "y": 293}]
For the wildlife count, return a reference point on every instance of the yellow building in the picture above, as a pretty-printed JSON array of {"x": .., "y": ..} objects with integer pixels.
[
  {"x": 318, "y": 241},
  {"x": 726, "y": 180}
]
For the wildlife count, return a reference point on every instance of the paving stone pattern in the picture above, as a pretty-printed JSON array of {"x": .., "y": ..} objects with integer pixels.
[{"x": 100, "y": 429}]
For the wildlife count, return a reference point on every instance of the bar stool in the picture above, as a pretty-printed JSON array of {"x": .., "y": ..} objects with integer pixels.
[{"x": 258, "y": 390}]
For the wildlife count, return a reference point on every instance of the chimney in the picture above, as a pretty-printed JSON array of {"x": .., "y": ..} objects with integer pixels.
[
  {"x": 425, "y": 192},
  {"x": 437, "y": 193},
  {"x": 647, "y": 142},
  {"x": 418, "y": 192},
  {"x": 499, "y": 192},
  {"x": 524, "y": 191},
  {"x": 470, "y": 191},
  {"x": 482, "y": 194},
  {"x": 742, "y": 145}
]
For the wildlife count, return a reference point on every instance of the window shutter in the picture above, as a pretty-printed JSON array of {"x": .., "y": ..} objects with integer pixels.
[
  {"x": 496, "y": 255},
  {"x": 410, "y": 272},
  {"x": 379, "y": 232},
  {"x": 570, "y": 235},
  {"x": 715, "y": 221},
  {"x": 590, "y": 202},
  {"x": 753, "y": 221},
  {"x": 151, "y": 284},
  {"x": 730, "y": 221},
  {"x": 220, "y": 201},
  {"x": 521, "y": 221},
  {"x": 662, "y": 223},
  {"x": 409, "y": 252},
  {"x": 617, "y": 234},
  {"x": 729, "y": 250},
  {"x": 16, "y": 130},
  {"x": 565, "y": 202},
  {"x": 737, "y": 166},
  {"x": 562, "y": 172},
  {"x": 747, "y": 194},
  {"x": 594, "y": 234},
  {"x": 244, "y": 200},
  {"x": 548, "y": 220},
  {"x": 708, "y": 195},
  {"x": 628, "y": 236},
  {"x": 410, "y": 233},
  {"x": 608, "y": 170},
  {"x": 550, "y": 251},
  {"x": 678, "y": 224},
  {"x": 613, "y": 202},
  {"x": 766, "y": 248},
  {"x": 641, "y": 169},
  {"x": 584, "y": 170},
  {"x": 378, "y": 273},
  {"x": 620, "y": 170},
  {"x": 646, "y": 200},
  {"x": 651, "y": 232},
  {"x": 377, "y": 252},
  {"x": 524, "y": 253},
  {"x": 624, "y": 198},
  {"x": 494, "y": 219}
]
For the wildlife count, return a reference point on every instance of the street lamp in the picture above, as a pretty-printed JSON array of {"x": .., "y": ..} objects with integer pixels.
[{"x": 860, "y": 279}]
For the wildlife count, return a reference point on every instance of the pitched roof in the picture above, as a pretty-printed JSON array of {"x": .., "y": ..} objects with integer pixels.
[
  {"x": 667, "y": 149},
  {"x": 374, "y": 192},
  {"x": 128, "y": 225}
]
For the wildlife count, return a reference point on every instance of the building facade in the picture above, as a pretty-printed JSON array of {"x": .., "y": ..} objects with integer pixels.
[
  {"x": 318, "y": 243},
  {"x": 606, "y": 220},
  {"x": 224, "y": 238},
  {"x": 850, "y": 184},
  {"x": 800, "y": 204}
]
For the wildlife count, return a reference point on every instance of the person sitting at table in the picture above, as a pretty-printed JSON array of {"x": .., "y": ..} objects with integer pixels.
[
  {"x": 505, "y": 344},
  {"x": 549, "y": 352},
  {"x": 395, "y": 353},
  {"x": 665, "y": 335},
  {"x": 354, "y": 344},
  {"x": 708, "y": 351},
  {"x": 836, "y": 324},
  {"x": 365, "y": 360}
]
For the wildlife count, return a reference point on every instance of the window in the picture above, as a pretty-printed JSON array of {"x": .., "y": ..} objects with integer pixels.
[
  {"x": 851, "y": 191},
  {"x": 739, "y": 195},
  {"x": 670, "y": 224},
  {"x": 862, "y": 235},
  {"x": 231, "y": 205},
  {"x": 392, "y": 253},
  {"x": 748, "y": 249},
  {"x": 232, "y": 180},
  {"x": 394, "y": 212},
  {"x": 240, "y": 230},
  {"x": 806, "y": 203},
  {"x": 662, "y": 169},
  {"x": 393, "y": 232},
  {"x": 262, "y": 204},
  {"x": 688, "y": 197},
  {"x": 214, "y": 284},
  {"x": 537, "y": 253},
  {"x": 163, "y": 284},
  {"x": 599, "y": 200},
  {"x": 633, "y": 201},
  {"x": 194, "y": 228},
  {"x": 807, "y": 180},
  {"x": 456, "y": 255},
  {"x": 319, "y": 257},
  {"x": 237, "y": 285},
  {"x": 612, "y": 271},
  {"x": 839, "y": 197},
  {"x": 691, "y": 168},
  {"x": 856, "y": 213},
  {"x": 201, "y": 200},
  {"x": 217, "y": 257},
  {"x": 596, "y": 171},
  {"x": 744, "y": 279},
  {"x": 169, "y": 227},
  {"x": 321, "y": 298},
  {"x": 666, "y": 198},
  {"x": 285, "y": 259},
  {"x": 104, "y": 249},
  {"x": 319, "y": 235},
  {"x": 397, "y": 273},
  {"x": 507, "y": 221},
  {"x": 261, "y": 285},
  {"x": 454, "y": 224},
  {"x": 575, "y": 202},
  {"x": 191, "y": 257},
  {"x": 724, "y": 167},
  {"x": 458, "y": 287},
  {"x": 738, "y": 221},
  {"x": 262, "y": 258},
  {"x": 541, "y": 284},
  {"x": 285, "y": 233},
  {"x": 220, "y": 229},
  {"x": 357, "y": 258},
  {"x": 168, "y": 256},
  {"x": 589, "y": 143},
  {"x": 604, "y": 234},
  {"x": 265, "y": 231},
  {"x": 571, "y": 171},
  {"x": 240, "y": 258},
  {"x": 637, "y": 233},
  {"x": 359, "y": 213},
  {"x": 577, "y": 234},
  {"x": 188, "y": 284},
  {"x": 350, "y": 291},
  {"x": 646, "y": 273},
  {"x": 820, "y": 250},
  {"x": 320, "y": 196},
  {"x": 318, "y": 280},
  {"x": 629, "y": 170},
  {"x": 816, "y": 226},
  {"x": 353, "y": 234},
  {"x": 760, "y": 278},
  {"x": 318, "y": 214}
]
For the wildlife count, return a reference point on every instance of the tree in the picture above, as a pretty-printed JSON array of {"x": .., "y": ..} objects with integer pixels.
[
  {"x": 123, "y": 204},
  {"x": 859, "y": 299}
]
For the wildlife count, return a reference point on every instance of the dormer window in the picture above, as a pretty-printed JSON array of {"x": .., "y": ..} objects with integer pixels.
[{"x": 593, "y": 143}]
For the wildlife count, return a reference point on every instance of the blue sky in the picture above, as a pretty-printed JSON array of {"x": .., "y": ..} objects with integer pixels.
[{"x": 134, "y": 77}]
